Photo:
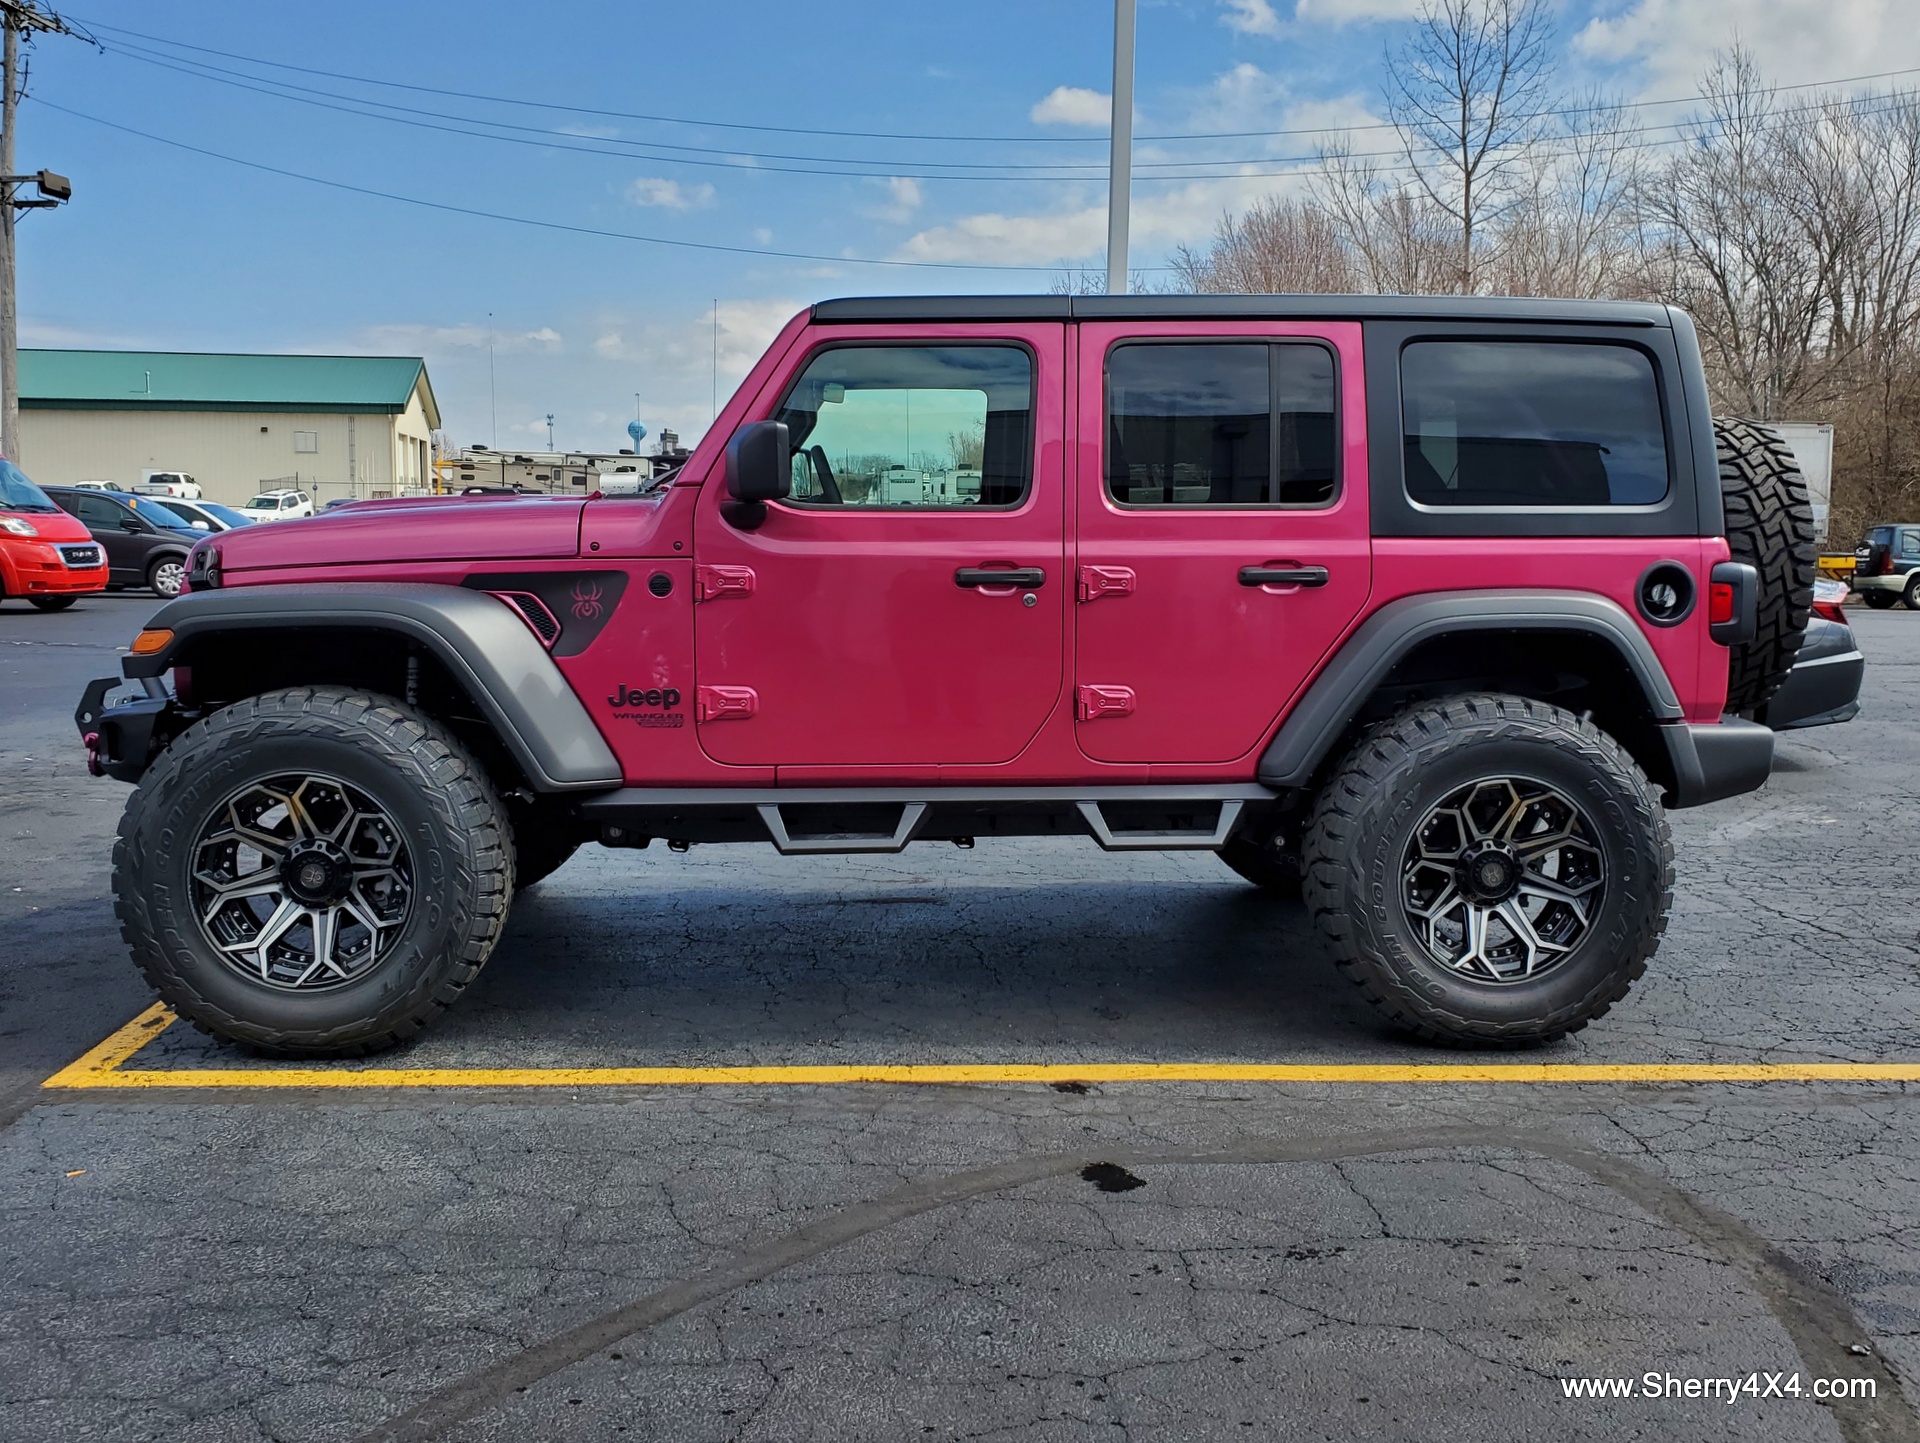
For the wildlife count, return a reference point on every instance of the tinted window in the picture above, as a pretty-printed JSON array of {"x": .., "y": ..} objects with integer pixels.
[
  {"x": 1220, "y": 424},
  {"x": 1910, "y": 543},
  {"x": 1515, "y": 423},
  {"x": 98, "y": 511},
  {"x": 912, "y": 426}
]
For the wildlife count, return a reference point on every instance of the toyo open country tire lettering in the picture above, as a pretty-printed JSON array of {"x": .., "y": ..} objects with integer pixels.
[
  {"x": 314, "y": 872},
  {"x": 1769, "y": 524},
  {"x": 1491, "y": 870}
]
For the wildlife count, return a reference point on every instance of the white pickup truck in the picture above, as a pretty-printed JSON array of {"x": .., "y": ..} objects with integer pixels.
[{"x": 168, "y": 483}]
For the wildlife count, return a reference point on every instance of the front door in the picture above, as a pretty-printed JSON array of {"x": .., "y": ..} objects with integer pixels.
[
  {"x": 906, "y": 605},
  {"x": 1224, "y": 543}
]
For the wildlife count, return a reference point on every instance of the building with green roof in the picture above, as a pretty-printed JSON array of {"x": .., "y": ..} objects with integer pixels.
[{"x": 332, "y": 425}]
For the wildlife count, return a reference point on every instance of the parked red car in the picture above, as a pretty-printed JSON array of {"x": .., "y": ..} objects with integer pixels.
[{"x": 46, "y": 556}]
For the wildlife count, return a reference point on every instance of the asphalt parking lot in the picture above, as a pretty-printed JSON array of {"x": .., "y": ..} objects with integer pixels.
[{"x": 569, "y": 1254}]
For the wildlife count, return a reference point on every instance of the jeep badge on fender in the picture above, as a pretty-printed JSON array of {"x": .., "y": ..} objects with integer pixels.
[{"x": 625, "y": 695}]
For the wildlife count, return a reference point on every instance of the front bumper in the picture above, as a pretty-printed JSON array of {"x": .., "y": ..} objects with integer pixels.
[
  {"x": 1718, "y": 760},
  {"x": 123, "y": 739},
  {"x": 1823, "y": 686},
  {"x": 40, "y": 571}
]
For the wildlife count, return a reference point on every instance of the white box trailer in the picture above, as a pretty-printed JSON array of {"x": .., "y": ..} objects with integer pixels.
[{"x": 1812, "y": 444}]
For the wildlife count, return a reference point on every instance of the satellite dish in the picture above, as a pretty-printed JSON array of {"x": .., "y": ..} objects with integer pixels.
[{"x": 636, "y": 430}]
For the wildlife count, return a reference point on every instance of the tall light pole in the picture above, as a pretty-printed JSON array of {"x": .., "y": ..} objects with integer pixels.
[
  {"x": 1120, "y": 163},
  {"x": 18, "y": 15}
]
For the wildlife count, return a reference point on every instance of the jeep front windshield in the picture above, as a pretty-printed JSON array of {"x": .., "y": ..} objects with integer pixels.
[{"x": 17, "y": 493}]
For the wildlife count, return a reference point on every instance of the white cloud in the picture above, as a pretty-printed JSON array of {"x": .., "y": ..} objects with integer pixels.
[
  {"x": 653, "y": 190},
  {"x": 610, "y": 346},
  {"x": 903, "y": 199},
  {"x": 1250, "y": 17},
  {"x": 424, "y": 340},
  {"x": 1795, "y": 41},
  {"x": 1070, "y": 105},
  {"x": 1348, "y": 12},
  {"x": 762, "y": 236}
]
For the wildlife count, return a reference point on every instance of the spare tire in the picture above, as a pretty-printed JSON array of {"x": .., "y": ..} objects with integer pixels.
[{"x": 1769, "y": 525}]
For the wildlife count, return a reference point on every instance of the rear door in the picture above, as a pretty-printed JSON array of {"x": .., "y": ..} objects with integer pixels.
[
  {"x": 862, "y": 623},
  {"x": 1223, "y": 539}
]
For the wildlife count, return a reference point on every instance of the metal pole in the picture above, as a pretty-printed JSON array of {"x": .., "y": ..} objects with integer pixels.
[
  {"x": 1120, "y": 166},
  {"x": 9, "y": 312}
]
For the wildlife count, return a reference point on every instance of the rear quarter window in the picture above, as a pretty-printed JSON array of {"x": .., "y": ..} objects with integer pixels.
[{"x": 1531, "y": 424}]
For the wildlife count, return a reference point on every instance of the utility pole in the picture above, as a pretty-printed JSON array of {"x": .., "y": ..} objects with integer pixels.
[
  {"x": 1120, "y": 162},
  {"x": 19, "y": 16}
]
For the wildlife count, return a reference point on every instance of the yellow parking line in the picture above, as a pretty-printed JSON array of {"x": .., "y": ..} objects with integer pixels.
[{"x": 104, "y": 1066}]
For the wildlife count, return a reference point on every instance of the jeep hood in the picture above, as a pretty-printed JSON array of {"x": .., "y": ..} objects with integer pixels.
[{"x": 436, "y": 528}]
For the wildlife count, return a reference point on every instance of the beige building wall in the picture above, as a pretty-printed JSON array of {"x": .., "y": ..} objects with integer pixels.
[{"x": 232, "y": 454}]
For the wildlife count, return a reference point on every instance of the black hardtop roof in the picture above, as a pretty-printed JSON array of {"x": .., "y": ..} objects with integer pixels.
[{"x": 1253, "y": 308}]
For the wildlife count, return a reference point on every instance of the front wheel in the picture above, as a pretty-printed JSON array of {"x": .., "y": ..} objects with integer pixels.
[
  {"x": 1491, "y": 870},
  {"x": 1912, "y": 594},
  {"x": 167, "y": 575},
  {"x": 51, "y": 603},
  {"x": 313, "y": 873}
]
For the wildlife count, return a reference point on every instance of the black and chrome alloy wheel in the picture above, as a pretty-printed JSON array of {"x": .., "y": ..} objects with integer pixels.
[
  {"x": 302, "y": 882},
  {"x": 1502, "y": 879}
]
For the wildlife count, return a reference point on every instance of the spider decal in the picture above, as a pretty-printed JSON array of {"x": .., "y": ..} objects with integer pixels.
[{"x": 586, "y": 600}]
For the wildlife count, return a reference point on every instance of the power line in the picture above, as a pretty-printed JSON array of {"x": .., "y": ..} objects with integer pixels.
[
  {"x": 1242, "y": 168},
  {"x": 1598, "y": 108},
  {"x": 479, "y": 214}
]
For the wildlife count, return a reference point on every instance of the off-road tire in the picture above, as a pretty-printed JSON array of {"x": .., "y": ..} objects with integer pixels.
[
  {"x": 1274, "y": 872},
  {"x": 453, "y": 823},
  {"x": 51, "y": 603},
  {"x": 1769, "y": 525},
  {"x": 1381, "y": 790},
  {"x": 1880, "y": 600}
]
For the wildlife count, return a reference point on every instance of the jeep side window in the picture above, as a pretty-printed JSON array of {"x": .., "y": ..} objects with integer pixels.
[
  {"x": 901, "y": 426},
  {"x": 1910, "y": 543},
  {"x": 1220, "y": 424},
  {"x": 1528, "y": 423}
]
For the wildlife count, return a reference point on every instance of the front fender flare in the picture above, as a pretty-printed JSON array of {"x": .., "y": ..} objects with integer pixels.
[{"x": 485, "y": 648}]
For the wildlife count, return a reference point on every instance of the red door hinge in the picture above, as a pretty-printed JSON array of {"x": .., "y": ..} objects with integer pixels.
[
  {"x": 710, "y": 582},
  {"x": 1093, "y": 702},
  {"x": 727, "y": 703},
  {"x": 1098, "y": 581}
]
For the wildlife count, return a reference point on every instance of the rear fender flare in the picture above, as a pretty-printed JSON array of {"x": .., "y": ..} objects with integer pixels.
[
  {"x": 483, "y": 645},
  {"x": 1393, "y": 632}
]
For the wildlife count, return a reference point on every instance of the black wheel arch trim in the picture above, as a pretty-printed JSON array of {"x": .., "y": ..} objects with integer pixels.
[
  {"x": 1343, "y": 686},
  {"x": 482, "y": 643}
]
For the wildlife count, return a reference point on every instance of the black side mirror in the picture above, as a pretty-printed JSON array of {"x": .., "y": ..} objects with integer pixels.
[
  {"x": 758, "y": 469},
  {"x": 132, "y": 523}
]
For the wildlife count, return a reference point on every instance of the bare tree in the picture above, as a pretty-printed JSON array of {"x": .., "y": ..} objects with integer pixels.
[
  {"x": 1280, "y": 245},
  {"x": 1569, "y": 230},
  {"x": 1465, "y": 93}
]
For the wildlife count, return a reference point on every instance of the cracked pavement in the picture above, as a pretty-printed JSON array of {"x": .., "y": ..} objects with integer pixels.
[{"x": 871, "y": 1262}]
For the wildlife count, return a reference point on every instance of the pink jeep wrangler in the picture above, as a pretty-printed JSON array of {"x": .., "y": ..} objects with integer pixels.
[{"x": 1424, "y": 609}]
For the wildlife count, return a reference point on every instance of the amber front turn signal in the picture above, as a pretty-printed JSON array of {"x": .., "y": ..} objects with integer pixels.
[{"x": 150, "y": 641}]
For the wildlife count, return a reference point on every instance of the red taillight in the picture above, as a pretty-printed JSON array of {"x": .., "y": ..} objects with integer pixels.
[
  {"x": 1720, "y": 602},
  {"x": 1830, "y": 610}
]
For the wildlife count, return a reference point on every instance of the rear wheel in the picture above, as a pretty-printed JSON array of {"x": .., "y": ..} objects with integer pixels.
[
  {"x": 1879, "y": 600},
  {"x": 167, "y": 575},
  {"x": 1491, "y": 870},
  {"x": 314, "y": 872},
  {"x": 52, "y": 603},
  {"x": 1769, "y": 525}
]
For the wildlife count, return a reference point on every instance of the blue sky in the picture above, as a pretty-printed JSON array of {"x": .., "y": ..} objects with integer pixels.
[{"x": 167, "y": 248}]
